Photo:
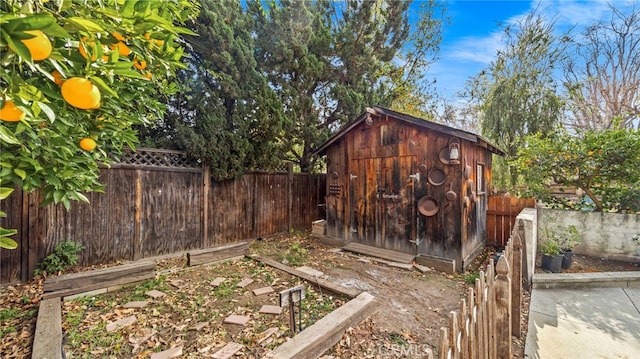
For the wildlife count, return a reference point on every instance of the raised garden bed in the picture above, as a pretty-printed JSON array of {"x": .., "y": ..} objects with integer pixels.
[{"x": 191, "y": 314}]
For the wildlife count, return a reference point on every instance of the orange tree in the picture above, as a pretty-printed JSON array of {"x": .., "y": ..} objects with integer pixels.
[
  {"x": 604, "y": 164},
  {"x": 74, "y": 78}
]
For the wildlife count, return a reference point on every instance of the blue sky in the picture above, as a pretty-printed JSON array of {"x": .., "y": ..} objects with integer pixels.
[{"x": 473, "y": 36}]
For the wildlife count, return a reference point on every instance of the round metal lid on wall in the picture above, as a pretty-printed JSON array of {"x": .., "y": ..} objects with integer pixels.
[
  {"x": 428, "y": 206},
  {"x": 436, "y": 177}
]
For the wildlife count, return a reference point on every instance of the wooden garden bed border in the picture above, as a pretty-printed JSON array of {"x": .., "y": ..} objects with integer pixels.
[{"x": 314, "y": 341}]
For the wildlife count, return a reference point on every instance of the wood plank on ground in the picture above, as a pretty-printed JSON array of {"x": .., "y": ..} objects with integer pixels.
[
  {"x": 47, "y": 341},
  {"x": 111, "y": 284},
  {"x": 325, "y": 284},
  {"x": 89, "y": 278},
  {"x": 387, "y": 254},
  {"x": 209, "y": 255},
  {"x": 326, "y": 332}
]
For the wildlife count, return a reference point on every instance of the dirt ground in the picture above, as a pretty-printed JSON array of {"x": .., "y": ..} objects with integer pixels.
[{"x": 412, "y": 306}]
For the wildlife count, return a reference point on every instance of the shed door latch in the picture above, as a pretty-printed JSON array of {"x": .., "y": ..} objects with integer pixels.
[{"x": 352, "y": 176}]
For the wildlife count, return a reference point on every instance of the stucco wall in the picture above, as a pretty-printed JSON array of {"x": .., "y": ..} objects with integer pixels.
[{"x": 609, "y": 235}]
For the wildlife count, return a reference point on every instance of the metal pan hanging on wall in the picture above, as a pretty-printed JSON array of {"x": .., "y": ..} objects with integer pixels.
[
  {"x": 428, "y": 206},
  {"x": 436, "y": 177}
]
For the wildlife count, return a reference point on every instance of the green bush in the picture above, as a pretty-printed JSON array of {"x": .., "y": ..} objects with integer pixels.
[{"x": 64, "y": 255}]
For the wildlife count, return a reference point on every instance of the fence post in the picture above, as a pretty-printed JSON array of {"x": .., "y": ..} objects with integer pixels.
[
  {"x": 516, "y": 285},
  {"x": 482, "y": 325},
  {"x": 502, "y": 289},
  {"x": 206, "y": 184},
  {"x": 289, "y": 196},
  {"x": 444, "y": 343},
  {"x": 137, "y": 241},
  {"x": 464, "y": 329}
]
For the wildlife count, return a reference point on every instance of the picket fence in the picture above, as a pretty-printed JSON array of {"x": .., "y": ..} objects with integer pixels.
[{"x": 490, "y": 314}]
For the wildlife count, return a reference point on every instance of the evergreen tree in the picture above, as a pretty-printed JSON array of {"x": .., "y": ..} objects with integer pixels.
[
  {"x": 328, "y": 60},
  {"x": 226, "y": 114}
]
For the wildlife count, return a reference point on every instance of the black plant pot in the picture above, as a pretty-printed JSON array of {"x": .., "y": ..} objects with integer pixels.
[
  {"x": 552, "y": 263},
  {"x": 567, "y": 258}
]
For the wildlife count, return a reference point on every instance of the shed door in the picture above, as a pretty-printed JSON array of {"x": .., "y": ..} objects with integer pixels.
[{"x": 381, "y": 192}]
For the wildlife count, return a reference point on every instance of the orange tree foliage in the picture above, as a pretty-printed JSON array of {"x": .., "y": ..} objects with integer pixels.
[
  {"x": 604, "y": 164},
  {"x": 45, "y": 43}
]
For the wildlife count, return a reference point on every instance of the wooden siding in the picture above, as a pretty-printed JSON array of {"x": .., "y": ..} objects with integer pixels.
[
  {"x": 378, "y": 171},
  {"x": 145, "y": 212}
]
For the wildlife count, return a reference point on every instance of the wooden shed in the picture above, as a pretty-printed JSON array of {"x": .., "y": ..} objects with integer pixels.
[{"x": 404, "y": 184}]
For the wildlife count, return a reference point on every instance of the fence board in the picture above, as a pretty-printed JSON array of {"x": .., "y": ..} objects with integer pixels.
[
  {"x": 501, "y": 216},
  {"x": 148, "y": 211},
  {"x": 483, "y": 326},
  {"x": 170, "y": 210}
]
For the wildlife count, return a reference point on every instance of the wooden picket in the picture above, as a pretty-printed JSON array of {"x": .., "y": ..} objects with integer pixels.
[{"x": 490, "y": 314}]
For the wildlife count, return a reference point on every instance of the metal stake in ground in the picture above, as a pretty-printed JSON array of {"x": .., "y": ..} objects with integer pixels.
[{"x": 290, "y": 297}]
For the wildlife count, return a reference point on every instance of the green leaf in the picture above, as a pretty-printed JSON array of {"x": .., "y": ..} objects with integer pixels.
[
  {"x": 17, "y": 46},
  {"x": 103, "y": 85},
  {"x": 33, "y": 22},
  {"x": 47, "y": 111},
  {"x": 128, "y": 10},
  {"x": 5, "y": 192},
  {"x": 8, "y": 243},
  {"x": 20, "y": 172},
  {"x": 8, "y": 137},
  {"x": 30, "y": 92},
  {"x": 84, "y": 24},
  {"x": 79, "y": 196},
  {"x": 56, "y": 31},
  {"x": 129, "y": 73},
  {"x": 57, "y": 196}
]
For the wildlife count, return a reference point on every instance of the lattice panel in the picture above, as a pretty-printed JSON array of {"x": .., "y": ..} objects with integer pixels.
[{"x": 157, "y": 158}]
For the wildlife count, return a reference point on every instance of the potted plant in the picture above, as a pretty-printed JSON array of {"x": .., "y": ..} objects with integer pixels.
[
  {"x": 568, "y": 238},
  {"x": 551, "y": 255}
]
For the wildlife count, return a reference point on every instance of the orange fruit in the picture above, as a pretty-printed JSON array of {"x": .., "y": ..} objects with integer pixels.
[
  {"x": 57, "y": 77},
  {"x": 81, "y": 93},
  {"x": 122, "y": 48},
  {"x": 39, "y": 46},
  {"x": 139, "y": 64},
  {"x": 87, "y": 144},
  {"x": 149, "y": 75},
  {"x": 159, "y": 42},
  {"x": 118, "y": 36},
  {"x": 10, "y": 113}
]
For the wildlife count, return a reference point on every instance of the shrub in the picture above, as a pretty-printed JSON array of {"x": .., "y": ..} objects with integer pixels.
[{"x": 64, "y": 255}]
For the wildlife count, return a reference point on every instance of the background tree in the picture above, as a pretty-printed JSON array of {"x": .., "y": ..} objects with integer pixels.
[
  {"x": 602, "y": 74},
  {"x": 74, "y": 79},
  {"x": 517, "y": 92},
  {"x": 225, "y": 114},
  {"x": 604, "y": 164},
  {"x": 327, "y": 61}
]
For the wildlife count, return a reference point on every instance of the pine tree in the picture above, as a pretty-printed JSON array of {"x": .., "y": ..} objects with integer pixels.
[{"x": 226, "y": 114}]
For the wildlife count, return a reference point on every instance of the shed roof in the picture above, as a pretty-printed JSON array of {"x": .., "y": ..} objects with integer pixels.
[{"x": 419, "y": 122}]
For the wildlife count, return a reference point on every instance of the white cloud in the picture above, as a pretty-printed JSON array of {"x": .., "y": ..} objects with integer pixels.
[
  {"x": 475, "y": 49},
  {"x": 468, "y": 55}
]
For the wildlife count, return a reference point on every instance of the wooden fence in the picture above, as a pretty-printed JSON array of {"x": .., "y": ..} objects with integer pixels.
[
  {"x": 501, "y": 217},
  {"x": 490, "y": 314},
  {"x": 156, "y": 202}
]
